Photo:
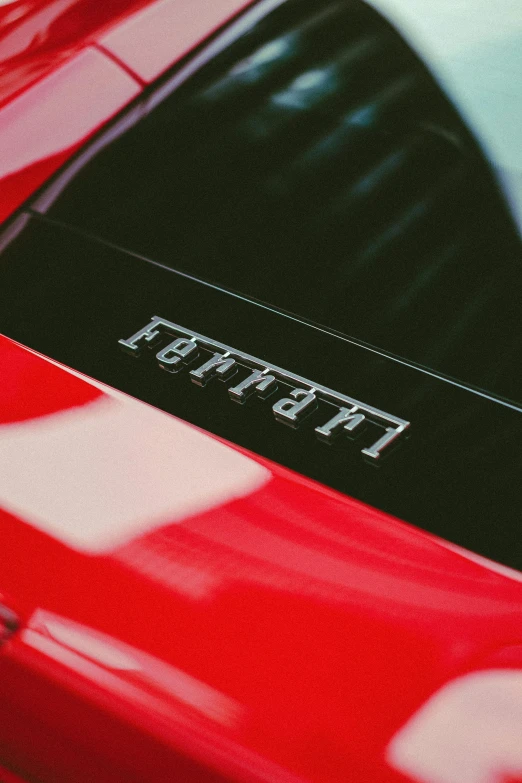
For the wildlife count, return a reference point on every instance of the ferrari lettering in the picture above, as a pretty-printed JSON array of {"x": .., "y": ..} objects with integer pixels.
[
  {"x": 302, "y": 401},
  {"x": 181, "y": 350},
  {"x": 150, "y": 335},
  {"x": 224, "y": 366},
  {"x": 290, "y": 411},
  {"x": 259, "y": 382},
  {"x": 348, "y": 419}
]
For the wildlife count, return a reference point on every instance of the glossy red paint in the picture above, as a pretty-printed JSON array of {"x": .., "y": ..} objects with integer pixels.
[
  {"x": 56, "y": 391},
  {"x": 36, "y": 37},
  {"x": 284, "y": 635},
  {"x": 8, "y": 777}
]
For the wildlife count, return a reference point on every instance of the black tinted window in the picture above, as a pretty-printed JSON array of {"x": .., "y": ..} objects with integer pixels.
[{"x": 315, "y": 165}]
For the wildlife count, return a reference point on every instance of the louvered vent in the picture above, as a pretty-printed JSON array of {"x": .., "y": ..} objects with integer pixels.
[{"x": 316, "y": 165}]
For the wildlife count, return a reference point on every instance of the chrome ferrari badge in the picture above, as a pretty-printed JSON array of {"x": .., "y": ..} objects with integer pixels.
[{"x": 211, "y": 359}]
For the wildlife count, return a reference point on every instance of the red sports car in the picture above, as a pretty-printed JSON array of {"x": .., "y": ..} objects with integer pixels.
[{"x": 260, "y": 402}]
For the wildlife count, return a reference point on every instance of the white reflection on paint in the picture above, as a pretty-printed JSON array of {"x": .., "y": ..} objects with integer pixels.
[
  {"x": 470, "y": 731},
  {"x": 124, "y": 670},
  {"x": 96, "y": 476}
]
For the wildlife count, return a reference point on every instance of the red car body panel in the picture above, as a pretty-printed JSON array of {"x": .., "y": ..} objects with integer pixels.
[
  {"x": 36, "y": 37},
  {"x": 287, "y": 633}
]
